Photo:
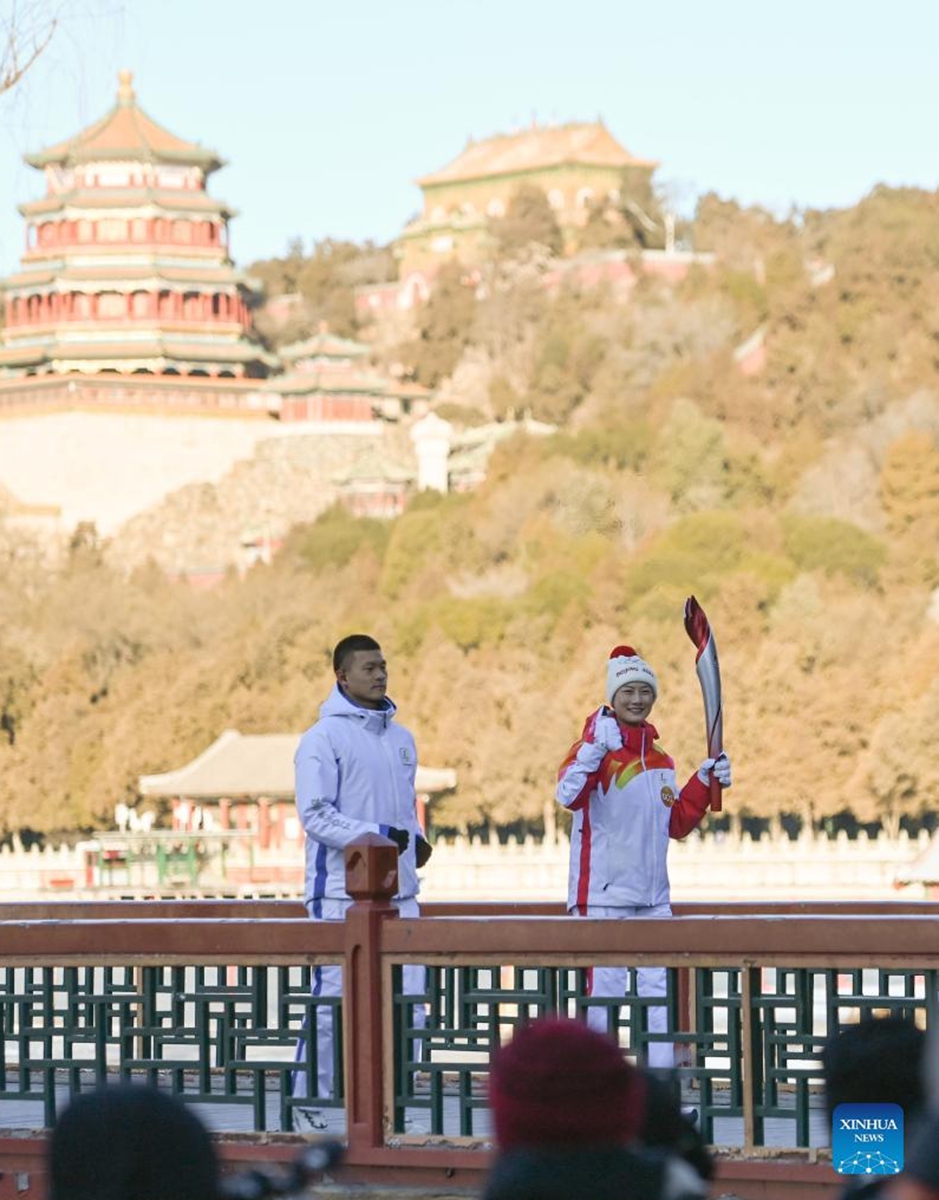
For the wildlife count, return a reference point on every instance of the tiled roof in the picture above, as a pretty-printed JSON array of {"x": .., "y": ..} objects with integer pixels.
[
  {"x": 25, "y": 356},
  {"x": 332, "y": 381},
  {"x": 126, "y": 132},
  {"x": 471, "y": 448},
  {"x": 408, "y": 391},
  {"x": 497, "y": 431},
  {"x": 131, "y": 198},
  {"x": 159, "y": 273},
  {"x": 218, "y": 350},
  {"x": 323, "y": 344},
  {"x": 53, "y": 381},
  {"x": 371, "y": 465},
  {"x": 238, "y": 764},
  {"x": 533, "y": 149}
]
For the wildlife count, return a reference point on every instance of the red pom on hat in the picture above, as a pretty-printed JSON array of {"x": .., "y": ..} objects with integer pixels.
[
  {"x": 623, "y": 652},
  {"x": 559, "y": 1083}
]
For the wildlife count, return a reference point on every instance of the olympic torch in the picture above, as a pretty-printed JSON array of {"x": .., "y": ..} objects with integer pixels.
[{"x": 709, "y": 676}]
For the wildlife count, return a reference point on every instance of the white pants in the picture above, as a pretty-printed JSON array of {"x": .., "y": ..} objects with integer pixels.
[
  {"x": 650, "y": 981},
  {"x": 327, "y": 981}
]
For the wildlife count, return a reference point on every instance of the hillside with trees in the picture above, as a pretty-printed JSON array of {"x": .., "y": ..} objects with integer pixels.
[{"x": 799, "y": 502}]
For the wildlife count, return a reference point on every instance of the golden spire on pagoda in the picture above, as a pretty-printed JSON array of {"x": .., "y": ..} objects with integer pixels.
[{"x": 125, "y": 91}]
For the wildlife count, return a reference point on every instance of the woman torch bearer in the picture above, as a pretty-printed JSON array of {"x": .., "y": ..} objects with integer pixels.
[{"x": 619, "y": 783}]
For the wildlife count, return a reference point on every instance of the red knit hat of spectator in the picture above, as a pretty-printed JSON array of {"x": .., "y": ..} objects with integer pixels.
[{"x": 559, "y": 1083}]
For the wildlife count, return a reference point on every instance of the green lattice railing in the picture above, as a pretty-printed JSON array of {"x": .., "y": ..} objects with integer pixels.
[{"x": 212, "y": 1008}]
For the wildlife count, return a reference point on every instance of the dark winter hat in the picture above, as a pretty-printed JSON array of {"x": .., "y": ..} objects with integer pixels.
[{"x": 559, "y": 1083}]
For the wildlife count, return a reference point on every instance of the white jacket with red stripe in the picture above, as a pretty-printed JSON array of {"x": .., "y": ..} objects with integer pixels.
[{"x": 626, "y": 806}]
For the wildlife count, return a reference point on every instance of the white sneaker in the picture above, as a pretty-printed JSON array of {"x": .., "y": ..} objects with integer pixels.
[{"x": 309, "y": 1119}]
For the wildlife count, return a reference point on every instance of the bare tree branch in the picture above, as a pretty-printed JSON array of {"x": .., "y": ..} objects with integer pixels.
[{"x": 23, "y": 37}]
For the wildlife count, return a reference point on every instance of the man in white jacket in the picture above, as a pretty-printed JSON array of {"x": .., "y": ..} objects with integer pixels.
[{"x": 354, "y": 773}]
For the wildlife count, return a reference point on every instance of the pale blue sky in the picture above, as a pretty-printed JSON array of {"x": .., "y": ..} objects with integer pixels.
[{"x": 328, "y": 111}]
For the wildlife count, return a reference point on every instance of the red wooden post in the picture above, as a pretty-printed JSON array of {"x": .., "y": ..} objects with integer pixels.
[
  {"x": 264, "y": 823},
  {"x": 371, "y": 881},
  {"x": 683, "y": 1050}
]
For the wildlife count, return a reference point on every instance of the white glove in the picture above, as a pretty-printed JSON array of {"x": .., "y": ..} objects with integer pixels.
[
  {"x": 721, "y": 768},
  {"x": 606, "y": 733},
  {"x": 590, "y": 755},
  {"x": 606, "y": 737}
]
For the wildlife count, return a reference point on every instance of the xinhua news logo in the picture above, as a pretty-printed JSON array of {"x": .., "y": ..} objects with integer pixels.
[{"x": 867, "y": 1139}]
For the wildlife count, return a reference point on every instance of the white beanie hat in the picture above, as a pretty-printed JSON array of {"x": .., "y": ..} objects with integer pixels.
[{"x": 625, "y": 666}]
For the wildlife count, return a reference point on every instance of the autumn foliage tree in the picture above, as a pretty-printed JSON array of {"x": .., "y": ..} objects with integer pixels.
[
  {"x": 671, "y": 472},
  {"x": 529, "y": 220}
]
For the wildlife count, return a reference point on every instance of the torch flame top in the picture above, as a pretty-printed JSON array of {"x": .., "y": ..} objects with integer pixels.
[{"x": 696, "y": 624}]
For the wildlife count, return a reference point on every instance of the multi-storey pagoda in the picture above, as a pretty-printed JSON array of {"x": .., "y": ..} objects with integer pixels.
[
  {"x": 327, "y": 379},
  {"x": 126, "y": 283}
]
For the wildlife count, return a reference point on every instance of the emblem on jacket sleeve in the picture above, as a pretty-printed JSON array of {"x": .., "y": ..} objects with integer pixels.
[
  {"x": 406, "y": 756},
  {"x": 668, "y": 796}
]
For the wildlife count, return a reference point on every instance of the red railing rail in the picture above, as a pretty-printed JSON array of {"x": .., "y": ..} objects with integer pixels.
[
  {"x": 373, "y": 939},
  {"x": 280, "y": 910}
]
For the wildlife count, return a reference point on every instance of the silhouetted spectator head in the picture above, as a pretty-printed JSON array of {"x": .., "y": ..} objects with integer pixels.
[
  {"x": 559, "y": 1083},
  {"x": 568, "y": 1110},
  {"x": 920, "y": 1180},
  {"x": 131, "y": 1143},
  {"x": 666, "y": 1128},
  {"x": 592, "y": 1173},
  {"x": 876, "y": 1062}
]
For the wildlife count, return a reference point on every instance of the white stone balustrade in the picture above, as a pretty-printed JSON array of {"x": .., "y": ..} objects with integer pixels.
[{"x": 701, "y": 868}]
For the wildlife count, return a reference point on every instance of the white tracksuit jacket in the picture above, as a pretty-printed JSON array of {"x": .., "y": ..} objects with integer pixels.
[{"x": 354, "y": 772}]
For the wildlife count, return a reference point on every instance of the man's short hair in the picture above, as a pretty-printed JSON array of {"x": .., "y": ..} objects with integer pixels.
[{"x": 348, "y": 646}]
